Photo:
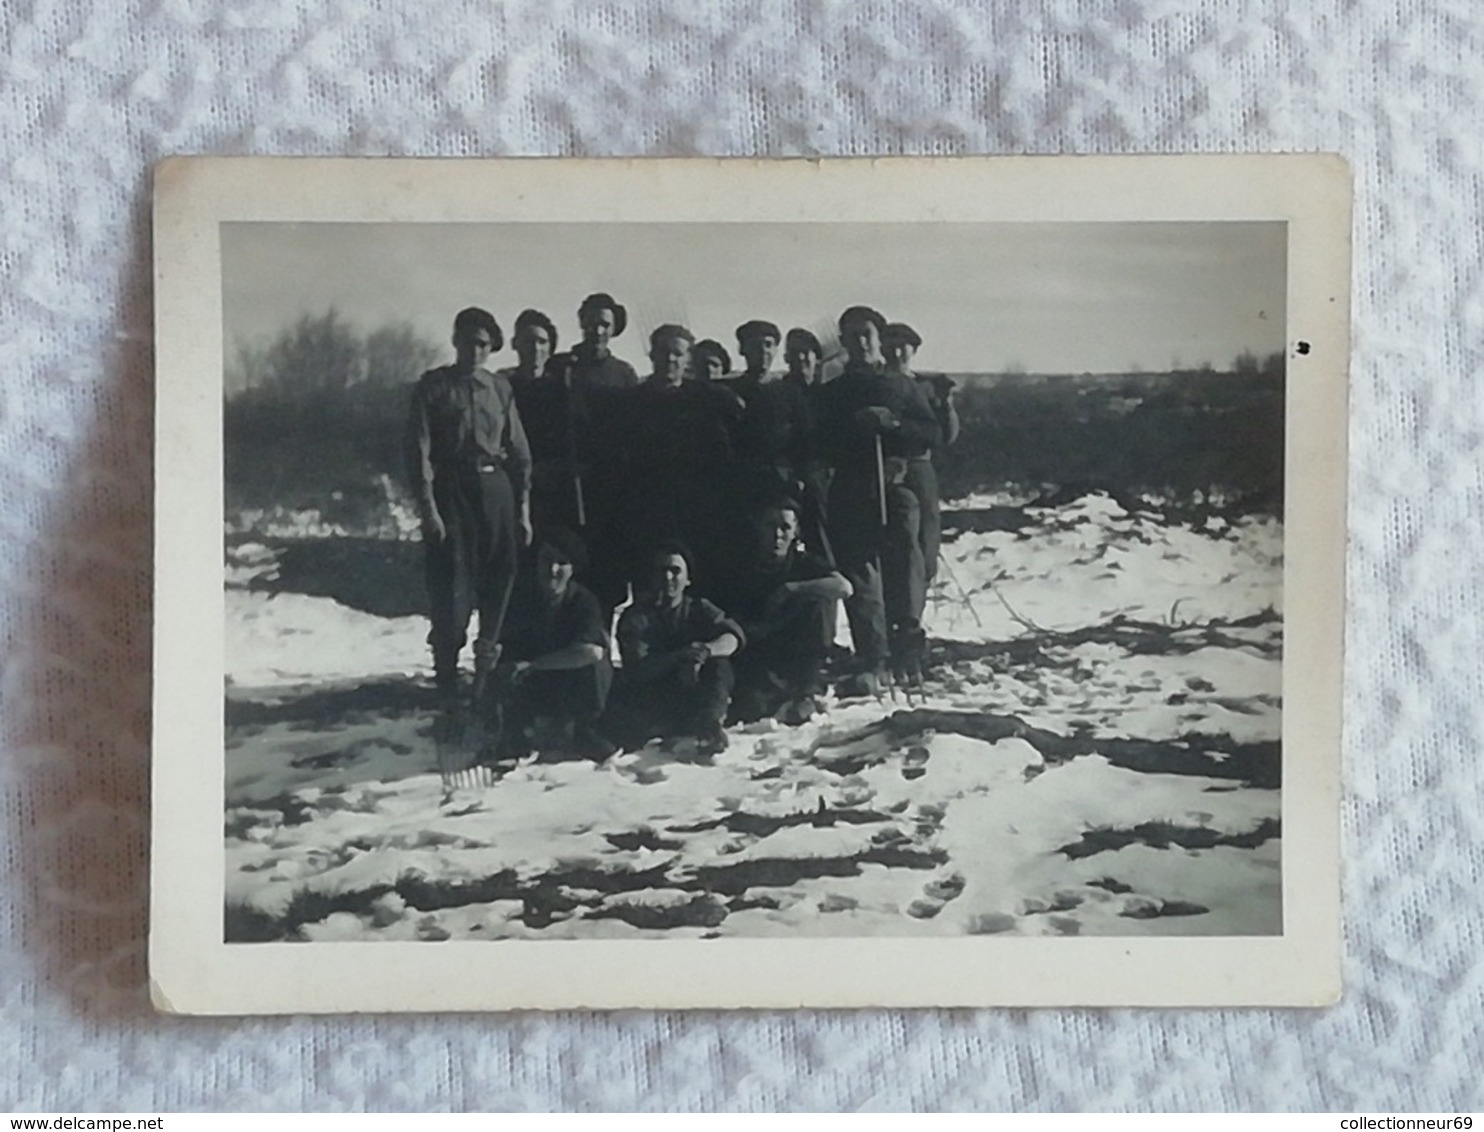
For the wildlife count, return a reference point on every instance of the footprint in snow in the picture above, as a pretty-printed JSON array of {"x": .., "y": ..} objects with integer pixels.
[
  {"x": 834, "y": 902},
  {"x": 429, "y": 931},
  {"x": 990, "y": 923},
  {"x": 945, "y": 888}
]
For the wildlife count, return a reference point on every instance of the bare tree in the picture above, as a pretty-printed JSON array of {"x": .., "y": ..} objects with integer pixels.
[
  {"x": 396, "y": 355},
  {"x": 319, "y": 353}
]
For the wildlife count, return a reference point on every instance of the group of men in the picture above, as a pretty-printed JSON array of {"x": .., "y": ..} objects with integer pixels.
[{"x": 723, "y": 517}]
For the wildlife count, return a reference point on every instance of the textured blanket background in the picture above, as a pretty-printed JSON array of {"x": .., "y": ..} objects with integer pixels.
[{"x": 92, "y": 93}]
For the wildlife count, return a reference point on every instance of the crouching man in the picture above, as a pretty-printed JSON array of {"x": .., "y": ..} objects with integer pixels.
[
  {"x": 786, "y": 600},
  {"x": 553, "y": 681},
  {"x": 676, "y": 680}
]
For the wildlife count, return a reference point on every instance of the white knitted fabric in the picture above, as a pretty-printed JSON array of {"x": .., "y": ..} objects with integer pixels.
[{"x": 92, "y": 93}]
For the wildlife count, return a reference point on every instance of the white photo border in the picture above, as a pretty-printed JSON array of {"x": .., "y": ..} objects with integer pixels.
[{"x": 194, "y": 971}]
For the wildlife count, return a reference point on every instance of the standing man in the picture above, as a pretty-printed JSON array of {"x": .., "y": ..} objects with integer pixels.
[
  {"x": 773, "y": 436},
  {"x": 677, "y": 458},
  {"x": 676, "y": 679},
  {"x": 541, "y": 399},
  {"x": 470, "y": 469},
  {"x": 785, "y": 600},
  {"x": 900, "y": 344},
  {"x": 871, "y": 423},
  {"x": 805, "y": 358},
  {"x": 595, "y": 382}
]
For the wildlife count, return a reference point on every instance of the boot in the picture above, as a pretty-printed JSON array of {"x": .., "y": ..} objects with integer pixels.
[{"x": 908, "y": 651}]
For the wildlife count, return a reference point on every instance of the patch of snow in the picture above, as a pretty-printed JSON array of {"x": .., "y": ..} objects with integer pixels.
[
  {"x": 287, "y": 638},
  {"x": 931, "y": 833}
]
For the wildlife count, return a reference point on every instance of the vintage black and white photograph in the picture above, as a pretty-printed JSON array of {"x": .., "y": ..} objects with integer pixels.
[{"x": 675, "y": 579}]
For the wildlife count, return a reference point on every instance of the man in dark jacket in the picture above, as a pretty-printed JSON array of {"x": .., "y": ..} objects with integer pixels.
[
  {"x": 677, "y": 458},
  {"x": 676, "y": 680},
  {"x": 900, "y": 344},
  {"x": 542, "y": 400},
  {"x": 773, "y": 435},
  {"x": 595, "y": 382},
  {"x": 470, "y": 467},
  {"x": 785, "y": 599},
  {"x": 870, "y": 424},
  {"x": 554, "y": 674},
  {"x": 804, "y": 357}
]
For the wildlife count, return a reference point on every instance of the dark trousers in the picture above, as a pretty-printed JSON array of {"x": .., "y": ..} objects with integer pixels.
[
  {"x": 784, "y": 658},
  {"x": 554, "y": 495},
  {"x": 671, "y": 706},
  {"x": 814, "y": 522},
  {"x": 473, "y": 566},
  {"x": 573, "y": 696},
  {"x": 883, "y": 565},
  {"x": 922, "y": 478}
]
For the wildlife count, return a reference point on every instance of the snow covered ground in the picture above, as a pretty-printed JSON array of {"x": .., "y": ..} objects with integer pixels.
[{"x": 1095, "y": 752}]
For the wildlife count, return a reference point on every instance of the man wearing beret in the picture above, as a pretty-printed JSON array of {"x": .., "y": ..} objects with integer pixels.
[
  {"x": 541, "y": 400},
  {"x": 803, "y": 354},
  {"x": 677, "y": 458},
  {"x": 900, "y": 344},
  {"x": 470, "y": 470},
  {"x": 774, "y": 434},
  {"x": 870, "y": 424},
  {"x": 710, "y": 361},
  {"x": 595, "y": 382},
  {"x": 804, "y": 357}
]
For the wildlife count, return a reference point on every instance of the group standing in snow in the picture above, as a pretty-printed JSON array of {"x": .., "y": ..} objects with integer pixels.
[{"x": 723, "y": 518}]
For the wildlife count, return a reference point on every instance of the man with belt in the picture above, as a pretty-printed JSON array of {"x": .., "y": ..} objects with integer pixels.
[{"x": 470, "y": 471}]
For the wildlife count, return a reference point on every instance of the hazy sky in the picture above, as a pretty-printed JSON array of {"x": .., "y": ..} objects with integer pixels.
[{"x": 1048, "y": 298}]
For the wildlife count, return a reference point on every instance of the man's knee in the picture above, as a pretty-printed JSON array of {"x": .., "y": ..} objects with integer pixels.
[{"x": 813, "y": 622}]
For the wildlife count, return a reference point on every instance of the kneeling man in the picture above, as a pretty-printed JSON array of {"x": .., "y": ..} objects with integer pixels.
[
  {"x": 676, "y": 680},
  {"x": 554, "y": 676},
  {"x": 786, "y": 600}
]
